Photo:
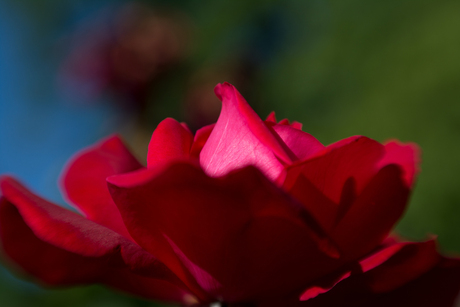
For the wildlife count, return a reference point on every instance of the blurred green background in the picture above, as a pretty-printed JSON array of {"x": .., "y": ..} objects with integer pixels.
[{"x": 385, "y": 69}]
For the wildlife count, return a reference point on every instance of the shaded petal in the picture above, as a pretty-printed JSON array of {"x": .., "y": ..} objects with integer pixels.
[
  {"x": 328, "y": 282},
  {"x": 406, "y": 260},
  {"x": 238, "y": 249},
  {"x": 60, "y": 247},
  {"x": 322, "y": 208},
  {"x": 240, "y": 138},
  {"x": 411, "y": 261},
  {"x": 170, "y": 141},
  {"x": 329, "y": 169},
  {"x": 414, "y": 276},
  {"x": 439, "y": 287},
  {"x": 201, "y": 137},
  {"x": 407, "y": 156},
  {"x": 84, "y": 183},
  {"x": 373, "y": 214},
  {"x": 413, "y": 273}
]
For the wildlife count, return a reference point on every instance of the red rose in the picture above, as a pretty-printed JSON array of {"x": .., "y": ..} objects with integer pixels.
[{"x": 246, "y": 212}]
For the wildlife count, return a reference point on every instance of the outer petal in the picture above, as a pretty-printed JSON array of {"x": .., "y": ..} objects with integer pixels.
[
  {"x": 170, "y": 141},
  {"x": 391, "y": 266},
  {"x": 413, "y": 275},
  {"x": 241, "y": 138},
  {"x": 416, "y": 276},
  {"x": 328, "y": 170},
  {"x": 248, "y": 240},
  {"x": 407, "y": 156},
  {"x": 60, "y": 247},
  {"x": 373, "y": 214},
  {"x": 84, "y": 181}
]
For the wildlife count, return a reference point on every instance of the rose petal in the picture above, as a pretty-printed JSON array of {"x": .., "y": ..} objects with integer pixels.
[
  {"x": 170, "y": 142},
  {"x": 241, "y": 138},
  {"x": 411, "y": 261},
  {"x": 373, "y": 214},
  {"x": 407, "y": 156},
  {"x": 322, "y": 208},
  {"x": 61, "y": 247},
  {"x": 296, "y": 125},
  {"x": 414, "y": 276},
  {"x": 201, "y": 137},
  {"x": 328, "y": 282},
  {"x": 330, "y": 168},
  {"x": 84, "y": 185},
  {"x": 271, "y": 121},
  {"x": 238, "y": 249},
  {"x": 302, "y": 144},
  {"x": 271, "y": 118},
  {"x": 284, "y": 122}
]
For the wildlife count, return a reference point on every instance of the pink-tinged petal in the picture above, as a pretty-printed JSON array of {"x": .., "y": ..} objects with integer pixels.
[
  {"x": 296, "y": 125},
  {"x": 170, "y": 142},
  {"x": 284, "y": 122},
  {"x": 249, "y": 239},
  {"x": 302, "y": 144},
  {"x": 330, "y": 168},
  {"x": 271, "y": 118},
  {"x": 60, "y": 247},
  {"x": 271, "y": 121},
  {"x": 84, "y": 181},
  {"x": 201, "y": 137},
  {"x": 373, "y": 214},
  {"x": 240, "y": 138},
  {"x": 407, "y": 156}
]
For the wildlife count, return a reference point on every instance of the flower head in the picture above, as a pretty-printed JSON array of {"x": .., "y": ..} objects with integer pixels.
[{"x": 245, "y": 211}]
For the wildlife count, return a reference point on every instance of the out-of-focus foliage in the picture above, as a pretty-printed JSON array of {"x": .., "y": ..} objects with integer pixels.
[{"x": 384, "y": 69}]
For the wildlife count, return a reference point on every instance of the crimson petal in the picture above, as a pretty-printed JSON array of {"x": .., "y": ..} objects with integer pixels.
[
  {"x": 329, "y": 169},
  {"x": 414, "y": 276},
  {"x": 201, "y": 137},
  {"x": 84, "y": 181},
  {"x": 403, "y": 274},
  {"x": 322, "y": 208},
  {"x": 60, "y": 247},
  {"x": 407, "y": 156},
  {"x": 170, "y": 141},
  {"x": 406, "y": 260},
  {"x": 239, "y": 236},
  {"x": 373, "y": 214},
  {"x": 302, "y": 144}
]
